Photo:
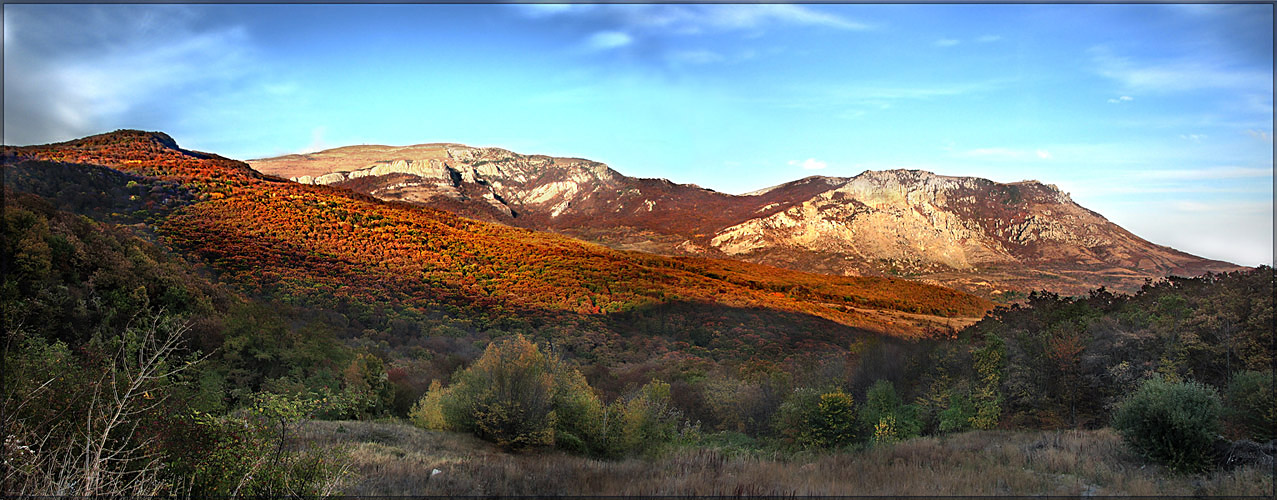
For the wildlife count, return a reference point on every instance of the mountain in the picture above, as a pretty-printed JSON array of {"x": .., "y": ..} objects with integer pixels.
[
  {"x": 410, "y": 273},
  {"x": 968, "y": 233}
]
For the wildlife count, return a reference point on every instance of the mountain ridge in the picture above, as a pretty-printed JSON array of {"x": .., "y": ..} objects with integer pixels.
[{"x": 971, "y": 233}]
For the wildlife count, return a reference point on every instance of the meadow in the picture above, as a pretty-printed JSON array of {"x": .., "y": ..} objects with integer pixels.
[{"x": 392, "y": 458}]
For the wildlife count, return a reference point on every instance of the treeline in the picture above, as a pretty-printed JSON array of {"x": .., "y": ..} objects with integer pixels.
[
  {"x": 1070, "y": 359},
  {"x": 1170, "y": 366}
]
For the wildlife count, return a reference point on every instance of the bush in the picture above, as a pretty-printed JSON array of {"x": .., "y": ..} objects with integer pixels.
[
  {"x": 227, "y": 456},
  {"x": 1173, "y": 423},
  {"x": 1252, "y": 407},
  {"x": 516, "y": 397},
  {"x": 810, "y": 418},
  {"x": 505, "y": 397},
  {"x": 427, "y": 412},
  {"x": 886, "y": 417},
  {"x": 641, "y": 424},
  {"x": 958, "y": 415}
]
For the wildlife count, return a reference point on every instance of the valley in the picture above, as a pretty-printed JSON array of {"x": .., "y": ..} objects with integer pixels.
[{"x": 232, "y": 313}]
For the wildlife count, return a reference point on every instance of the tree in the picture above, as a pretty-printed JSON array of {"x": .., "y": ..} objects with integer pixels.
[
  {"x": 990, "y": 363},
  {"x": 1252, "y": 406}
]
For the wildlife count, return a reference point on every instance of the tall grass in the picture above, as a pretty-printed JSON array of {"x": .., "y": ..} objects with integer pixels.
[{"x": 396, "y": 459}]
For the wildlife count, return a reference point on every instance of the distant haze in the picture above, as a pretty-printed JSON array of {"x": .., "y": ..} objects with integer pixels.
[{"x": 1159, "y": 117}]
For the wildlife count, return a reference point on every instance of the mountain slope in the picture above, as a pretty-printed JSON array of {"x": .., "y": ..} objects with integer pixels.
[
  {"x": 339, "y": 250},
  {"x": 965, "y": 232}
]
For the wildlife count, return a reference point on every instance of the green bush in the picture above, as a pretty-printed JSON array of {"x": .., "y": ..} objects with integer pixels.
[
  {"x": 516, "y": 397},
  {"x": 885, "y": 417},
  {"x": 228, "y": 456},
  {"x": 1173, "y": 423},
  {"x": 957, "y": 417},
  {"x": 642, "y": 424},
  {"x": 505, "y": 397},
  {"x": 817, "y": 419},
  {"x": 428, "y": 412},
  {"x": 1252, "y": 407}
]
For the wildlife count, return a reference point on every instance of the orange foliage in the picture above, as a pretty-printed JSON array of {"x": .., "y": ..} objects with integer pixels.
[{"x": 323, "y": 243}]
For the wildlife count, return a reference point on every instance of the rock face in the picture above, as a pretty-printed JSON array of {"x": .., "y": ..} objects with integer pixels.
[{"x": 969, "y": 233}]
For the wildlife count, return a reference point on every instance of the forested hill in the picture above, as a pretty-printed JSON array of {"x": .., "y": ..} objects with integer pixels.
[{"x": 389, "y": 265}]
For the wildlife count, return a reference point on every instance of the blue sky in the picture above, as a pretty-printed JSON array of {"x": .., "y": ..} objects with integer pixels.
[{"x": 1159, "y": 117}]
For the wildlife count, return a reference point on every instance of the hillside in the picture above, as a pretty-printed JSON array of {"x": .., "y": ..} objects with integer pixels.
[
  {"x": 967, "y": 233},
  {"x": 332, "y": 248}
]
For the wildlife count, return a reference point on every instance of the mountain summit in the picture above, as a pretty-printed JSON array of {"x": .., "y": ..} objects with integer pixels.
[{"x": 966, "y": 232}]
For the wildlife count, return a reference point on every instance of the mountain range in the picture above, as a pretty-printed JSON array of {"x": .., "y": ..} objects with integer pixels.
[{"x": 973, "y": 234}]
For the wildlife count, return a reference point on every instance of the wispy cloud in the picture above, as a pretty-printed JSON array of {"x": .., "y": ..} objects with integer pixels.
[
  {"x": 1230, "y": 208},
  {"x": 1179, "y": 74},
  {"x": 809, "y": 164},
  {"x": 1193, "y": 137},
  {"x": 608, "y": 40},
  {"x": 114, "y": 60},
  {"x": 1260, "y": 134},
  {"x": 692, "y": 19},
  {"x": 695, "y": 57},
  {"x": 951, "y": 42},
  {"x": 1001, "y": 153},
  {"x": 1223, "y": 172},
  {"x": 1122, "y": 99}
]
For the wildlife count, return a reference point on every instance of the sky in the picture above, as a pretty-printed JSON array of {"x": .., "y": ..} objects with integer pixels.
[{"x": 1159, "y": 117}]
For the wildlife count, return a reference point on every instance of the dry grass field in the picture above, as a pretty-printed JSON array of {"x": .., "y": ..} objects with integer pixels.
[{"x": 398, "y": 459}]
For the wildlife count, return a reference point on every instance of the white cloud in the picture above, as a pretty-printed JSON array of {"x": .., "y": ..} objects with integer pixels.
[
  {"x": 695, "y": 57},
  {"x": 1183, "y": 74},
  {"x": 538, "y": 10},
  {"x": 993, "y": 153},
  {"x": 1193, "y": 206},
  {"x": 80, "y": 71},
  {"x": 692, "y": 19},
  {"x": 809, "y": 164},
  {"x": 999, "y": 153},
  {"x": 1225, "y": 172},
  {"x": 1119, "y": 100},
  {"x": 946, "y": 42},
  {"x": 608, "y": 40},
  {"x": 1260, "y": 134},
  {"x": 755, "y": 15},
  {"x": 1193, "y": 137}
]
